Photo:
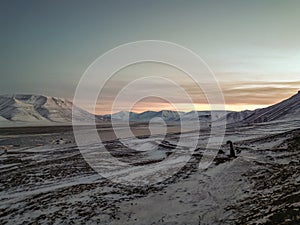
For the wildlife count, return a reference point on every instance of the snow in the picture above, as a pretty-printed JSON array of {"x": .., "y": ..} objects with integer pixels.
[
  {"x": 53, "y": 184},
  {"x": 17, "y": 110},
  {"x": 285, "y": 110}
]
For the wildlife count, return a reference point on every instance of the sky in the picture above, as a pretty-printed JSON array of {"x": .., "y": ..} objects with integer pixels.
[{"x": 252, "y": 46}]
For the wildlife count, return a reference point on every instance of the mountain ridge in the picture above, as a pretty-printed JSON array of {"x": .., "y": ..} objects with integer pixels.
[
  {"x": 40, "y": 108},
  {"x": 282, "y": 110},
  {"x": 46, "y": 109}
]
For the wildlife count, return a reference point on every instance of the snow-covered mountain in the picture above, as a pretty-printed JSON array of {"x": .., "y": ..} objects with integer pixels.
[
  {"x": 204, "y": 116},
  {"x": 166, "y": 115},
  {"x": 39, "y": 109},
  {"x": 288, "y": 109},
  {"x": 122, "y": 115},
  {"x": 234, "y": 117}
]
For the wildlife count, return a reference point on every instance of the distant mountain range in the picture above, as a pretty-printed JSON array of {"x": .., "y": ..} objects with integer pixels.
[
  {"x": 166, "y": 115},
  {"x": 45, "y": 110}
]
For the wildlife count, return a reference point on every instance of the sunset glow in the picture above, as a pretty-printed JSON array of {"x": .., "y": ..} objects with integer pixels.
[{"x": 252, "y": 48}]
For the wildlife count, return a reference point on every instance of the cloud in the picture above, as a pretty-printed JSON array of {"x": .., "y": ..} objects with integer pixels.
[
  {"x": 259, "y": 93},
  {"x": 238, "y": 95}
]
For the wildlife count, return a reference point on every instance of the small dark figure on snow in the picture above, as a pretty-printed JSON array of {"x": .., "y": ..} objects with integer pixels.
[{"x": 232, "y": 151}]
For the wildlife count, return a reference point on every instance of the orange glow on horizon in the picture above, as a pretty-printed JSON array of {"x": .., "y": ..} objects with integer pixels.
[
  {"x": 186, "y": 108},
  {"x": 254, "y": 102}
]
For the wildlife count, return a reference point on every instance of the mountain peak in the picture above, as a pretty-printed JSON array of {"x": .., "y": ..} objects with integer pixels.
[{"x": 40, "y": 108}]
